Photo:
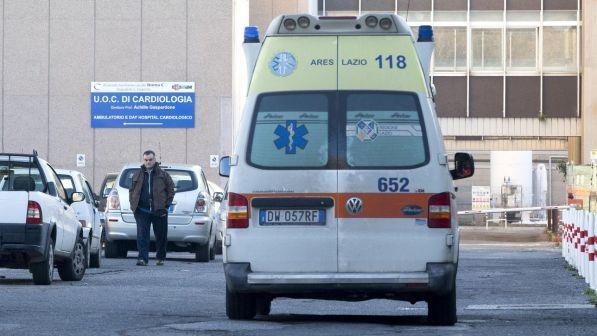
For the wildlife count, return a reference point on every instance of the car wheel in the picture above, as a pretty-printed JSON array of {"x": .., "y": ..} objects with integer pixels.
[
  {"x": 218, "y": 247},
  {"x": 441, "y": 309},
  {"x": 263, "y": 306},
  {"x": 43, "y": 272},
  {"x": 95, "y": 259},
  {"x": 212, "y": 250},
  {"x": 88, "y": 252},
  {"x": 103, "y": 239},
  {"x": 240, "y": 306},
  {"x": 115, "y": 249},
  {"x": 202, "y": 253},
  {"x": 74, "y": 268},
  {"x": 123, "y": 250}
]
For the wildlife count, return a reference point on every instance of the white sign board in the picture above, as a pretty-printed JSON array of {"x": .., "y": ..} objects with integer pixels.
[
  {"x": 481, "y": 197},
  {"x": 214, "y": 161},
  {"x": 80, "y": 160}
]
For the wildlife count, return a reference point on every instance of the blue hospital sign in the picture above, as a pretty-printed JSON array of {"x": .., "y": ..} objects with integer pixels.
[{"x": 143, "y": 104}]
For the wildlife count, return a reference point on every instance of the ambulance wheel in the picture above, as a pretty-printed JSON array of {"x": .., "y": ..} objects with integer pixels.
[
  {"x": 441, "y": 309},
  {"x": 240, "y": 306},
  {"x": 263, "y": 306}
]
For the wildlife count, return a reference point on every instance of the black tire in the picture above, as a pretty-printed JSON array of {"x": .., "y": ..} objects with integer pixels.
[
  {"x": 441, "y": 310},
  {"x": 240, "y": 306},
  {"x": 116, "y": 249},
  {"x": 95, "y": 260},
  {"x": 43, "y": 272},
  {"x": 263, "y": 306},
  {"x": 202, "y": 253},
  {"x": 88, "y": 252},
  {"x": 103, "y": 239},
  {"x": 74, "y": 268},
  {"x": 218, "y": 247},
  {"x": 212, "y": 251}
]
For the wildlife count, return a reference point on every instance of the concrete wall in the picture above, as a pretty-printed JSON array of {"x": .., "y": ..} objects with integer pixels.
[{"x": 53, "y": 49}]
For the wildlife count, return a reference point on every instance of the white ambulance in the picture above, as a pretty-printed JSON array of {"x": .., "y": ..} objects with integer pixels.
[{"x": 339, "y": 186}]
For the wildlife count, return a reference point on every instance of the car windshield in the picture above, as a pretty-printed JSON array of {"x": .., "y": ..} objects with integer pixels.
[
  {"x": 184, "y": 180},
  {"x": 20, "y": 176}
]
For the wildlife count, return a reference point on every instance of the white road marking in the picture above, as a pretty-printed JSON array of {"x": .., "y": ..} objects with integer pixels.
[
  {"x": 227, "y": 325},
  {"x": 538, "y": 306}
]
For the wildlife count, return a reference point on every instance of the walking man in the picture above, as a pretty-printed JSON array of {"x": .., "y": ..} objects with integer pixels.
[{"x": 150, "y": 195}]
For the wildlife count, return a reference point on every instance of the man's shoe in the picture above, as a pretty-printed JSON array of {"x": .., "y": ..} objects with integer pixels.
[
  {"x": 160, "y": 263},
  {"x": 141, "y": 262}
]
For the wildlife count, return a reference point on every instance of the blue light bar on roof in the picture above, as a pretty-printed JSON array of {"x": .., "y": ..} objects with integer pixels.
[
  {"x": 251, "y": 34},
  {"x": 425, "y": 34}
]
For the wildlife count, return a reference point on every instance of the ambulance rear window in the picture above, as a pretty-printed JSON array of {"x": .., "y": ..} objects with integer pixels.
[
  {"x": 384, "y": 129},
  {"x": 290, "y": 130}
]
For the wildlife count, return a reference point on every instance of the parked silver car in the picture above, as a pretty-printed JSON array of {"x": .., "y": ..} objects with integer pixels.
[{"x": 191, "y": 217}]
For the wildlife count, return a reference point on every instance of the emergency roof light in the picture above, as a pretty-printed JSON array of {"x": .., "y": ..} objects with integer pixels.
[
  {"x": 370, "y": 23},
  {"x": 251, "y": 34},
  {"x": 425, "y": 34},
  {"x": 303, "y": 22}
]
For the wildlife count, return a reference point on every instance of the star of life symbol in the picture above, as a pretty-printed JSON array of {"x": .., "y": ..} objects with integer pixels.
[
  {"x": 367, "y": 130},
  {"x": 291, "y": 136},
  {"x": 283, "y": 64}
]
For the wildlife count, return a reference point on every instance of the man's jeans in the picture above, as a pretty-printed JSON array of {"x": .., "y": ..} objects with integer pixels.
[{"x": 160, "y": 231}]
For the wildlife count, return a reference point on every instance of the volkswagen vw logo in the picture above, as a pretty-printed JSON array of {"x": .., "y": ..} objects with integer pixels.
[
  {"x": 283, "y": 64},
  {"x": 354, "y": 205}
]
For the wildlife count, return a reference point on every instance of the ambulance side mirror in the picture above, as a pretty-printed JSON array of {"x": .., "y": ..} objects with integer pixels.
[
  {"x": 464, "y": 166},
  {"x": 225, "y": 166}
]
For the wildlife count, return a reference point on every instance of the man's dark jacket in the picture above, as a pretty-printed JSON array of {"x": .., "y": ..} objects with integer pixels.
[{"x": 162, "y": 189}]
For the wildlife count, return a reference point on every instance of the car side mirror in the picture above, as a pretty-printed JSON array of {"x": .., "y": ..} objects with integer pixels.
[
  {"x": 106, "y": 192},
  {"x": 218, "y": 196},
  {"x": 77, "y": 197},
  {"x": 464, "y": 166},
  {"x": 225, "y": 166}
]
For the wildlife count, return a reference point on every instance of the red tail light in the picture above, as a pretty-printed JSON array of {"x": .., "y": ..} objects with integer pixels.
[
  {"x": 34, "y": 215},
  {"x": 238, "y": 212},
  {"x": 113, "y": 201},
  {"x": 200, "y": 204},
  {"x": 440, "y": 214}
]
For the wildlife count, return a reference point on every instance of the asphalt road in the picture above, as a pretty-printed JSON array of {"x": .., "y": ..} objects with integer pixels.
[{"x": 502, "y": 290}]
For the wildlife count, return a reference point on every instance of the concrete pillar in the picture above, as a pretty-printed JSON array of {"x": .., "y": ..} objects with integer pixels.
[
  {"x": 589, "y": 82},
  {"x": 575, "y": 150},
  {"x": 240, "y": 13}
]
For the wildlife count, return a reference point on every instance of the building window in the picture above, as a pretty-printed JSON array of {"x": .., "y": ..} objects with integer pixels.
[
  {"x": 378, "y": 6},
  {"x": 341, "y": 7},
  {"x": 521, "y": 49},
  {"x": 559, "y": 49},
  {"x": 450, "y": 50},
  {"x": 487, "y": 49}
]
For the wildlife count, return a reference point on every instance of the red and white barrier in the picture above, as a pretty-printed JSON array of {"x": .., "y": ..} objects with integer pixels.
[{"x": 579, "y": 243}]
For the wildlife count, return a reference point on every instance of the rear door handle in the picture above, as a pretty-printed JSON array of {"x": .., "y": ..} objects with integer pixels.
[{"x": 64, "y": 206}]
